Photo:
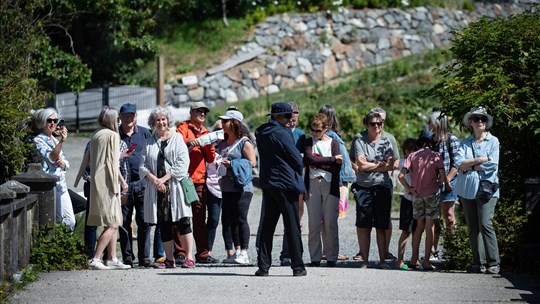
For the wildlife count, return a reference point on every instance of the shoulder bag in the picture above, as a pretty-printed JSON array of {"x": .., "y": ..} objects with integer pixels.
[{"x": 486, "y": 188}]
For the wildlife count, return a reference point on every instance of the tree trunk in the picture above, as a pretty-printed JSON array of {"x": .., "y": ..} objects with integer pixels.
[{"x": 224, "y": 10}]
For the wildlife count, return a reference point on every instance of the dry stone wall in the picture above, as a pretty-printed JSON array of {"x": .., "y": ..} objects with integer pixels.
[{"x": 295, "y": 50}]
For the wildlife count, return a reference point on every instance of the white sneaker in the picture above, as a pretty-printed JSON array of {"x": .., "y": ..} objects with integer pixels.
[
  {"x": 231, "y": 259},
  {"x": 116, "y": 264},
  {"x": 242, "y": 258},
  {"x": 98, "y": 265}
]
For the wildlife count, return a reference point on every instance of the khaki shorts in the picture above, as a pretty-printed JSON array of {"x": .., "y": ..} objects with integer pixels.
[{"x": 426, "y": 207}]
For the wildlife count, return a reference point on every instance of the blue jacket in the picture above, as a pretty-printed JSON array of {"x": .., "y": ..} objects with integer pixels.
[
  {"x": 241, "y": 170},
  {"x": 280, "y": 161},
  {"x": 346, "y": 174}
]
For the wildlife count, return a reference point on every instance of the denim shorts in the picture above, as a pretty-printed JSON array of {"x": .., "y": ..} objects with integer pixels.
[{"x": 449, "y": 196}]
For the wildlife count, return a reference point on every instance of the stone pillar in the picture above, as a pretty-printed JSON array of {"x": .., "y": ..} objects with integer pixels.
[
  {"x": 44, "y": 185},
  {"x": 16, "y": 226}
]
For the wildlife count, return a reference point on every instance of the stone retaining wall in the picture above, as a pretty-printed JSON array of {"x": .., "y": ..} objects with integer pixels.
[{"x": 295, "y": 50}]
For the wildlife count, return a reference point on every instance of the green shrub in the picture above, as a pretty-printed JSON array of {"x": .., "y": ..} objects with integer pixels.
[{"x": 57, "y": 248}]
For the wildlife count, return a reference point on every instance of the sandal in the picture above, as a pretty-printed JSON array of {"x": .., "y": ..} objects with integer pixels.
[
  {"x": 342, "y": 257},
  {"x": 404, "y": 267},
  {"x": 383, "y": 266},
  {"x": 357, "y": 257},
  {"x": 390, "y": 256}
]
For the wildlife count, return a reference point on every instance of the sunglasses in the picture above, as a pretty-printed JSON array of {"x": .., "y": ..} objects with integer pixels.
[
  {"x": 479, "y": 118},
  {"x": 55, "y": 120},
  {"x": 373, "y": 124},
  {"x": 200, "y": 111},
  {"x": 316, "y": 130}
]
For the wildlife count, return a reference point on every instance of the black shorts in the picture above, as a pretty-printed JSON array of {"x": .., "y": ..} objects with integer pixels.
[
  {"x": 373, "y": 206},
  {"x": 406, "y": 221}
]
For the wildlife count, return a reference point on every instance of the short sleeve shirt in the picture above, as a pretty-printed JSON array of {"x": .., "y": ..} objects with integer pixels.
[{"x": 374, "y": 151}]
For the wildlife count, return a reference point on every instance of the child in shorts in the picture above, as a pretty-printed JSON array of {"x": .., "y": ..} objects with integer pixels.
[
  {"x": 427, "y": 171},
  {"x": 407, "y": 223}
]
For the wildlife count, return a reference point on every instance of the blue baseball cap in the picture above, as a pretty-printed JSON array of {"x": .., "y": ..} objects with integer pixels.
[{"x": 128, "y": 108}]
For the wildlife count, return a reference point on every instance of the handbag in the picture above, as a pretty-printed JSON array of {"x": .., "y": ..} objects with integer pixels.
[
  {"x": 188, "y": 189},
  {"x": 486, "y": 188},
  {"x": 190, "y": 193}
]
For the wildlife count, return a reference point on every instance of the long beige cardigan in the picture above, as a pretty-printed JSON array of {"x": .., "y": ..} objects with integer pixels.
[{"x": 104, "y": 159}]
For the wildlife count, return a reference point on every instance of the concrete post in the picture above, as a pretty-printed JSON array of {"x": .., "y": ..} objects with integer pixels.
[{"x": 44, "y": 185}]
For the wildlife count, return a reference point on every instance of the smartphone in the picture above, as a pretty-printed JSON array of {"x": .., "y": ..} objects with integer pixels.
[{"x": 131, "y": 148}]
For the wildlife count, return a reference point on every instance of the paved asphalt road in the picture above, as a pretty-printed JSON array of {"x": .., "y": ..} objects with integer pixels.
[{"x": 221, "y": 283}]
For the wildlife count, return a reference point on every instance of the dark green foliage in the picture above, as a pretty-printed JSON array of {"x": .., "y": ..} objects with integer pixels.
[
  {"x": 57, "y": 248},
  {"x": 19, "y": 90},
  {"x": 496, "y": 65}
]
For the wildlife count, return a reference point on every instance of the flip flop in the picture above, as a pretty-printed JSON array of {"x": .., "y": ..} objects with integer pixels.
[
  {"x": 404, "y": 267},
  {"x": 357, "y": 257},
  {"x": 342, "y": 257},
  {"x": 432, "y": 268},
  {"x": 383, "y": 266}
]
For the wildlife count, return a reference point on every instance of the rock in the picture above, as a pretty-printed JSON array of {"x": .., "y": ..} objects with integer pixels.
[
  {"x": 264, "y": 81},
  {"x": 330, "y": 68},
  {"x": 210, "y": 94},
  {"x": 177, "y": 90},
  {"x": 230, "y": 96},
  {"x": 234, "y": 74},
  {"x": 438, "y": 29},
  {"x": 272, "y": 89},
  {"x": 287, "y": 83},
  {"x": 225, "y": 82},
  {"x": 281, "y": 69},
  {"x": 253, "y": 73},
  {"x": 301, "y": 79},
  {"x": 189, "y": 80},
  {"x": 305, "y": 65},
  {"x": 300, "y": 27},
  {"x": 196, "y": 94},
  {"x": 243, "y": 93}
]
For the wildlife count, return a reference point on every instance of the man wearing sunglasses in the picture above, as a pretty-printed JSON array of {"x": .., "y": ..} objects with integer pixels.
[
  {"x": 281, "y": 182},
  {"x": 199, "y": 156}
]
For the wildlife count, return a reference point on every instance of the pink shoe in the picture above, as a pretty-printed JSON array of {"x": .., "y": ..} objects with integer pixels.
[
  {"x": 166, "y": 264},
  {"x": 189, "y": 263}
]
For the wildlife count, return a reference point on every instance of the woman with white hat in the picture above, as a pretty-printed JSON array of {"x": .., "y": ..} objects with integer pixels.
[{"x": 477, "y": 161}]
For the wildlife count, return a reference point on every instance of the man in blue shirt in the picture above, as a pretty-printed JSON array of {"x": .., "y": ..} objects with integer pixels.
[{"x": 132, "y": 134}]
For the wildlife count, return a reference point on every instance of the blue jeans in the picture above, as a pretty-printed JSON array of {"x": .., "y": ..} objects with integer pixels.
[
  {"x": 135, "y": 202},
  {"x": 214, "y": 211},
  {"x": 159, "y": 251}
]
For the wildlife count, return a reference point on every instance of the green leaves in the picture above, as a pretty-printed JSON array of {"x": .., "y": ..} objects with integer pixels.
[{"x": 57, "y": 248}]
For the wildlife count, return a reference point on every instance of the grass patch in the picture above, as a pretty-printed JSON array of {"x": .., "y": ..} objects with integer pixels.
[{"x": 200, "y": 45}]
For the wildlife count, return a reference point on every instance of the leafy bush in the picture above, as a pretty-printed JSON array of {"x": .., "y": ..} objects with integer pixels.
[
  {"x": 495, "y": 65},
  {"x": 57, "y": 248}
]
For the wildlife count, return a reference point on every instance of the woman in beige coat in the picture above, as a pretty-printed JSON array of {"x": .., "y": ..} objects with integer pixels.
[{"x": 103, "y": 157}]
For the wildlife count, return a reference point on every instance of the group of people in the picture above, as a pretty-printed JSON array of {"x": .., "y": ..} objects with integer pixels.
[{"x": 128, "y": 168}]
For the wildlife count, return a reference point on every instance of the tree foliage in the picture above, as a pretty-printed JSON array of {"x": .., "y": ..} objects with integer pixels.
[{"x": 497, "y": 65}]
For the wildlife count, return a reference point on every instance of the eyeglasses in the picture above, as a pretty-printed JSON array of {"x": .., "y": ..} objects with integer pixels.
[
  {"x": 373, "y": 124},
  {"x": 316, "y": 130},
  {"x": 55, "y": 120},
  {"x": 479, "y": 118}
]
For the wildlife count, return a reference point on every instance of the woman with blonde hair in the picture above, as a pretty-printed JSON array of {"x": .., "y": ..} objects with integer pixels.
[{"x": 103, "y": 156}]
